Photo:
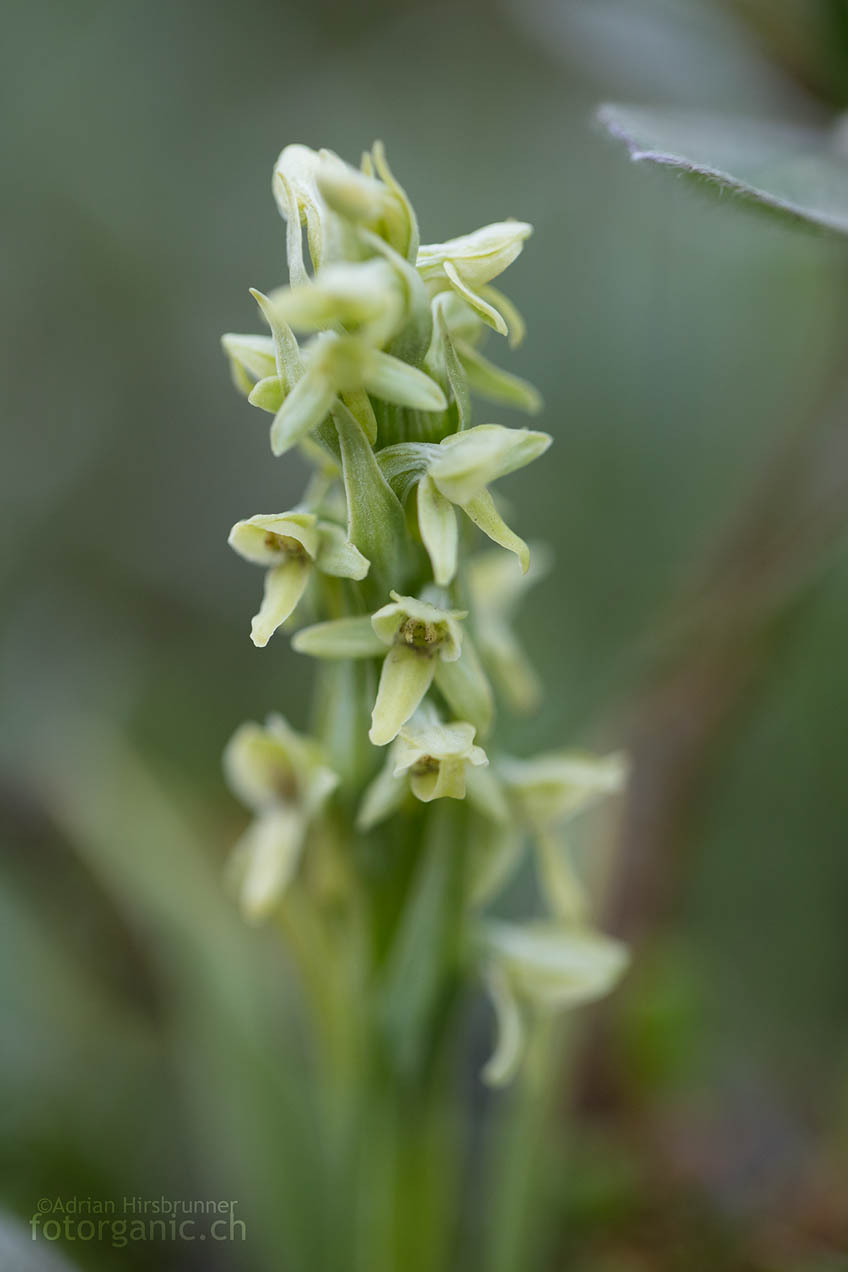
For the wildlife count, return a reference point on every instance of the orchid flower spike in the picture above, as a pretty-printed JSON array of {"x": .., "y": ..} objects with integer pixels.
[{"x": 372, "y": 352}]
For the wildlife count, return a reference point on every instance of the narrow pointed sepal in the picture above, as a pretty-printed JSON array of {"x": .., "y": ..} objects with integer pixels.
[
  {"x": 466, "y": 689},
  {"x": 396, "y": 381},
  {"x": 288, "y": 362},
  {"x": 490, "y": 315},
  {"x": 482, "y": 511},
  {"x": 495, "y": 384},
  {"x": 304, "y": 409},
  {"x": 439, "y": 532},
  {"x": 339, "y": 638}
]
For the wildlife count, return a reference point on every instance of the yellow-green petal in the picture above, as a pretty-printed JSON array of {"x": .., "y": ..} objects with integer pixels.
[
  {"x": 466, "y": 689},
  {"x": 406, "y": 676},
  {"x": 487, "y": 312},
  {"x": 482, "y": 511},
  {"x": 303, "y": 410},
  {"x": 266, "y": 857},
  {"x": 284, "y": 586},
  {"x": 439, "y": 532}
]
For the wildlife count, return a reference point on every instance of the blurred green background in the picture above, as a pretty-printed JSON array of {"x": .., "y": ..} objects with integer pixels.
[{"x": 690, "y": 352}]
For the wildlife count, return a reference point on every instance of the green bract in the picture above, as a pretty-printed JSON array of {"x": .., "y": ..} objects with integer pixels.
[{"x": 371, "y": 359}]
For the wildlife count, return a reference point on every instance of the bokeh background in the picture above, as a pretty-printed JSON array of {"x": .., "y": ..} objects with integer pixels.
[{"x": 691, "y": 355}]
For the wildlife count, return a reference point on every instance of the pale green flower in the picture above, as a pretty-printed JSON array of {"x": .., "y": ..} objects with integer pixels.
[
  {"x": 537, "y": 968},
  {"x": 553, "y": 787},
  {"x": 342, "y": 366},
  {"x": 380, "y": 205},
  {"x": 548, "y": 791},
  {"x": 388, "y": 347},
  {"x": 367, "y": 297},
  {"x": 334, "y": 200},
  {"x": 300, "y": 201},
  {"x": 468, "y": 264},
  {"x": 496, "y": 591},
  {"x": 457, "y": 472},
  {"x": 436, "y": 756},
  {"x": 282, "y": 777},
  {"x": 291, "y": 545},
  {"x": 427, "y": 757},
  {"x": 419, "y": 636},
  {"x": 425, "y": 644}
]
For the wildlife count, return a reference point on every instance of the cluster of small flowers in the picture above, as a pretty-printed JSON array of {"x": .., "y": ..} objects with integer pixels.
[{"x": 368, "y": 370}]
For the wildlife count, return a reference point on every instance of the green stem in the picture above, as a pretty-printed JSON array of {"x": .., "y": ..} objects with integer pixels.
[{"x": 516, "y": 1236}]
